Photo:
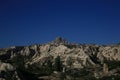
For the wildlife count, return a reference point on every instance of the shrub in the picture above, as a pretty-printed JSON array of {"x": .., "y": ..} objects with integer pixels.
[{"x": 58, "y": 64}]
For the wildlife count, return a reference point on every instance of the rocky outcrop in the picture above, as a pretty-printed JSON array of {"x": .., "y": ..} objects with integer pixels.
[{"x": 73, "y": 56}]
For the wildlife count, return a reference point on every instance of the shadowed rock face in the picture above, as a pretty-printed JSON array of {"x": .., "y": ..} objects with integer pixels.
[{"x": 73, "y": 56}]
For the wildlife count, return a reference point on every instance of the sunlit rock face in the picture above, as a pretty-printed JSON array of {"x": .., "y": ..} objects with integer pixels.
[{"x": 73, "y": 56}]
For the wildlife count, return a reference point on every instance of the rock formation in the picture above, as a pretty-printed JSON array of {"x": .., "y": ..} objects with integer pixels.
[{"x": 73, "y": 56}]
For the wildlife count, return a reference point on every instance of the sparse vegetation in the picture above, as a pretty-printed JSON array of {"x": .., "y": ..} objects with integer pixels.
[
  {"x": 58, "y": 64},
  {"x": 113, "y": 64},
  {"x": 76, "y": 62}
]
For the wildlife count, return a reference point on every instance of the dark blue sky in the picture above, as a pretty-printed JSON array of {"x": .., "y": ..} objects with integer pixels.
[{"x": 25, "y": 22}]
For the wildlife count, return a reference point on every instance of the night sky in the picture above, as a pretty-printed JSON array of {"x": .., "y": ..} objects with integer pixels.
[{"x": 26, "y": 22}]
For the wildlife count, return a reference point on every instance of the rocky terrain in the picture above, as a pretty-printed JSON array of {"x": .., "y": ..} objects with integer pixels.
[{"x": 60, "y": 60}]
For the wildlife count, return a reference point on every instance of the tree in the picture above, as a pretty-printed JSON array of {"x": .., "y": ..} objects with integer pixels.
[
  {"x": 49, "y": 67},
  {"x": 18, "y": 61},
  {"x": 58, "y": 64}
]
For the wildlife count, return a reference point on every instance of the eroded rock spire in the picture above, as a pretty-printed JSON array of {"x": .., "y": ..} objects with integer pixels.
[{"x": 59, "y": 40}]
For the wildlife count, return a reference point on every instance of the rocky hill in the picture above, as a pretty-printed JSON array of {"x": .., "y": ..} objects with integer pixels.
[{"x": 60, "y": 60}]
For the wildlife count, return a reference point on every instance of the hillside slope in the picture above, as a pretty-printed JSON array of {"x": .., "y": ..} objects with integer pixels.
[{"x": 60, "y": 60}]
